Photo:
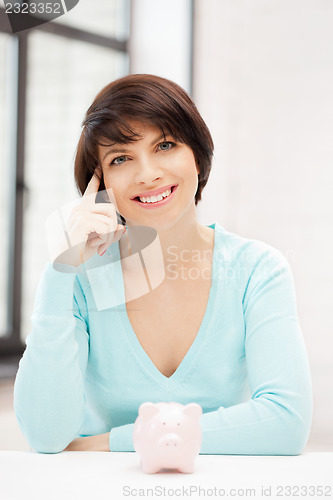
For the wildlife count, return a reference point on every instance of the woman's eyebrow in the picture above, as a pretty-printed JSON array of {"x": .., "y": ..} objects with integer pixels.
[
  {"x": 162, "y": 136},
  {"x": 115, "y": 149}
]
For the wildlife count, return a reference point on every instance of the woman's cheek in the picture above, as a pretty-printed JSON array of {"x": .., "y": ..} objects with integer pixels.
[{"x": 110, "y": 185}]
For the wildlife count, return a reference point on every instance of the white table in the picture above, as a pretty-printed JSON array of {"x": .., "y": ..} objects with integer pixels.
[{"x": 113, "y": 476}]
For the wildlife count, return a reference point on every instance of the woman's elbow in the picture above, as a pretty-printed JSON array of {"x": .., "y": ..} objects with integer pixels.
[
  {"x": 48, "y": 435},
  {"x": 294, "y": 437},
  {"x": 46, "y": 442},
  {"x": 298, "y": 441},
  {"x": 49, "y": 446}
]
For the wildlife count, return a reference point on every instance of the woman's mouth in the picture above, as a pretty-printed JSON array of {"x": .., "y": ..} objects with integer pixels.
[{"x": 156, "y": 201}]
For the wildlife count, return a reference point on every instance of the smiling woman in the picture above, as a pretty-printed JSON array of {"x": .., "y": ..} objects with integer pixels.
[
  {"x": 146, "y": 99},
  {"x": 220, "y": 327}
]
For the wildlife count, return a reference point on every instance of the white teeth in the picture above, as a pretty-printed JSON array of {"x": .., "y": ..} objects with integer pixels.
[{"x": 153, "y": 199}]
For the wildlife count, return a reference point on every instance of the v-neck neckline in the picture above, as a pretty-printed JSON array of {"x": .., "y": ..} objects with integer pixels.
[{"x": 194, "y": 348}]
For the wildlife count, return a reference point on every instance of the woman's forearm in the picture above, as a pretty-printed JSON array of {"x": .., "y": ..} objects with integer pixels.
[
  {"x": 49, "y": 385},
  {"x": 100, "y": 442}
]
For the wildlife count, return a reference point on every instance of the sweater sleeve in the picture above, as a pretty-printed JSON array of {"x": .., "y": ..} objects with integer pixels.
[
  {"x": 49, "y": 386},
  {"x": 277, "y": 418}
]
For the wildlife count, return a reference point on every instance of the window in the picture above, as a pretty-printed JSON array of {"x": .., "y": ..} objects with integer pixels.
[{"x": 49, "y": 76}]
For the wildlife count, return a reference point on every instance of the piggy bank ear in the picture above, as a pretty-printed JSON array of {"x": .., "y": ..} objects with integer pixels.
[
  {"x": 192, "y": 410},
  {"x": 148, "y": 410}
]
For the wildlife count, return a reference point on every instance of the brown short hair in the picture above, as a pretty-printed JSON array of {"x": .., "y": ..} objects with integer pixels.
[{"x": 146, "y": 98}]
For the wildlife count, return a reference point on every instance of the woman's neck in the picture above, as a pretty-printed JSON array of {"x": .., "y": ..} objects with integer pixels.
[{"x": 185, "y": 244}]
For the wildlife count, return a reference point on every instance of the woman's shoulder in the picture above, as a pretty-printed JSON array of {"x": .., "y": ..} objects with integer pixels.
[{"x": 245, "y": 253}]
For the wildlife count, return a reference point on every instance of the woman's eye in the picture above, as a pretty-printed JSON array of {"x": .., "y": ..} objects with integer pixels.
[
  {"x": 165, "y": 146},
  {"x": 118, "y": 161}
]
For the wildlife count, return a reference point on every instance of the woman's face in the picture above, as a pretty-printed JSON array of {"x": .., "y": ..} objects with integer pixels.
[{"x": 135, "y": 171}]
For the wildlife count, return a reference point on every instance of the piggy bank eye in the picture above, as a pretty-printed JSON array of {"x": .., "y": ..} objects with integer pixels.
[
  {"x": 163, "y": 423},
  {"x": 178, "y": 423}
]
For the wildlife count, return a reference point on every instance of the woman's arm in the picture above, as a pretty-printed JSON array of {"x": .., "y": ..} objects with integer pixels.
[
  {"x": 49, "y": 386},
  {"x": 277, "y": 418}
]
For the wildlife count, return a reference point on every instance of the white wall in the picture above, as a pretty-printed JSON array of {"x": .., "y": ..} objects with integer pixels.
[
  {"x": 161, "y": 39},
  {"x": 263, "y": 80}
]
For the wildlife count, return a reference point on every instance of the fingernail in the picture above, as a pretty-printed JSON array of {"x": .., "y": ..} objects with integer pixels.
[
  {"x": 124, "y": 230},
  {"x": 103, "y": 253}
]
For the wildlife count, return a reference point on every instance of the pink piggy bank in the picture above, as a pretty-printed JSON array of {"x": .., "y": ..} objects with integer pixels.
[{"x": 168, "y": 436}]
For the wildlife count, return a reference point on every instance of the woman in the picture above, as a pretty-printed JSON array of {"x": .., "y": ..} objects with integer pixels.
[{"x": 207, "y": 316}]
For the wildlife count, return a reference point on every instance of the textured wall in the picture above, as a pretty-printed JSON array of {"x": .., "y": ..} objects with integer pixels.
[{"x": 263, "y": 79}]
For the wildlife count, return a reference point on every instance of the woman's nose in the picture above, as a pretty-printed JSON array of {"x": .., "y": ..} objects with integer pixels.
[{"x": 147, "y": 171}]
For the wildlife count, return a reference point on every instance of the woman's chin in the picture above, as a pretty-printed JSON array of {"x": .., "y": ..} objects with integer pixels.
[{"x": 161, "y": 223}]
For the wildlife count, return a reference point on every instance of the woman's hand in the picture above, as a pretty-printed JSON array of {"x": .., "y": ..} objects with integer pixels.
[{"x": 91, "y": 226}]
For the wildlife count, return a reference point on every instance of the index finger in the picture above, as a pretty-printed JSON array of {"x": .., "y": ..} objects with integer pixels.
[{"x": 93, "y": 185}]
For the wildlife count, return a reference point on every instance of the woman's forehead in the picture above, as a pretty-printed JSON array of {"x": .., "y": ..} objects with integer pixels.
[{"x": 143, "y": 128}]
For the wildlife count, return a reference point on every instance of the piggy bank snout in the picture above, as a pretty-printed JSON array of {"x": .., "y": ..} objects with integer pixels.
[{"x": 170, "y": 440}]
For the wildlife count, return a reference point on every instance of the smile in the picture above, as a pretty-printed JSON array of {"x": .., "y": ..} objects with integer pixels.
[{"x": 152, "y": 202}]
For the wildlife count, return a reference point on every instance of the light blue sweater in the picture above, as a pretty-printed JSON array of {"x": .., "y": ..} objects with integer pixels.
[{"x": 84, "y": 371}]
